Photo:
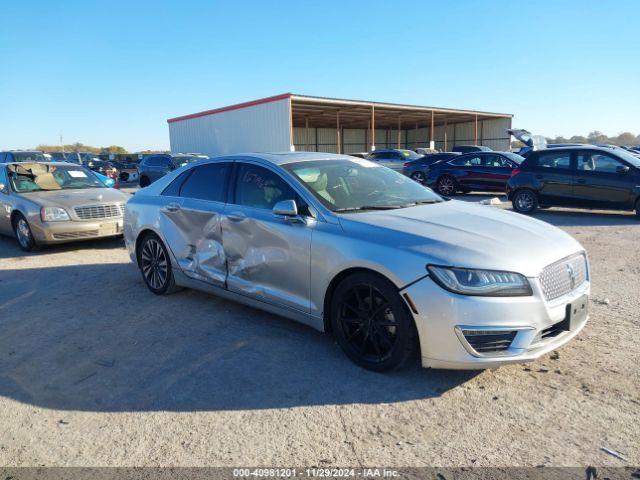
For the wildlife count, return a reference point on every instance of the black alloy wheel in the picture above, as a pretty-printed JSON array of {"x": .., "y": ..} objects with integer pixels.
[
  {"x": 524, "y": 201},
  {"x": 155, "y": 265},
  {"x": 372, "y": 324}
]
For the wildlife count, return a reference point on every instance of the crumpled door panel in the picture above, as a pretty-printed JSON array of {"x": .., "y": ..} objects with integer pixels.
[{"x": 268, "y": 258}]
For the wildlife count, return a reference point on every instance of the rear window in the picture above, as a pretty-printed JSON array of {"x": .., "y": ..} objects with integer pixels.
[
  {"x": 207, "y": 182},
  {"x": 551, "y": 160}
]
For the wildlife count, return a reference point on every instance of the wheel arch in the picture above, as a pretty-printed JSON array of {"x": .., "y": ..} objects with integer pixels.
[
  {"x": 141, "y": 236},
  {"x": 335, "y": 281}
]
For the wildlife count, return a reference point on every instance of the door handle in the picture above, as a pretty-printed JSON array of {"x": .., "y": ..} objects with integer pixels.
[
  {"x": 236, "y": 217},
  {"x": 582, "y": 180},
  {"x": 172, "y": 207}
]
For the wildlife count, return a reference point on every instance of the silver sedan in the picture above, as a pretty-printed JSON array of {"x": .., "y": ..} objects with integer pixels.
[{"x": 345, "y": 245}]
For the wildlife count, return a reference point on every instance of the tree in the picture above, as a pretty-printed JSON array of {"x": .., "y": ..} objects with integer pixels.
[
  {"x": 113, "y": 149},
  {"x": 625, "y": 138},
  {"x": 597, "y": 137}
]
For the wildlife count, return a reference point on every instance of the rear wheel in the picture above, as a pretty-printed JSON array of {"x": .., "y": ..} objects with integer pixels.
[
  {"x": 23, "y": 233},
  {"x": 372, "y": 324},
  {"x": 447, "y": 186},
  {"x": 155, "y": 265},
  {"x": 524, "y": 201},
  {"x": 418, "y": 177},
  {"x": 144, "y": 182}
]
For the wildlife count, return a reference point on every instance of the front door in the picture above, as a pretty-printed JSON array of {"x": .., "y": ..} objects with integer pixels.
[
  {"x": 191, "y": 221},
  {"x": 5, "y": 204},
  {"x": 496, "y": 172},
  {"x": 603, "y": 181},
  {"x": 268, "y": 257}
]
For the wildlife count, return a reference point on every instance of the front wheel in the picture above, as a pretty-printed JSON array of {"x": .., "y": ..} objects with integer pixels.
[
  {"x": 144, "y": 182},
  {"x": 372, "y": 324},
  {"x": 524, "y": 201},
  {"x": 155, "y": 265},
  {"x": 23, "y": 233}
]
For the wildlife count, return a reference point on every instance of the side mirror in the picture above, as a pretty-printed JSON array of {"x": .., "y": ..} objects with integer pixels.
[
  {"x": 286, "y": 208},
  {"x": 622, "y": 169}
]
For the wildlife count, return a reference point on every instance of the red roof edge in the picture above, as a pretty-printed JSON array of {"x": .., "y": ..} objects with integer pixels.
[{"x": 231, "y": 107}]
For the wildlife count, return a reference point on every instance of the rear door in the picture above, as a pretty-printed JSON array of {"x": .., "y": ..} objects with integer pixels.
[
  {"x": 601, "y": 181},
  {"x": 469, "y": 171},
  {"x": 191, "y": 221},
  {"x": 554, "y": 172},
  {"x": 268, "y": 257},
  {"x": 496, "y": 171}
]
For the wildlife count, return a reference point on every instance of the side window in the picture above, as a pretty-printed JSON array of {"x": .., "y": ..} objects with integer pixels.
[
  {"x": 164, "y": 162},
  {"x": 598, "y": 162},
  {"x": 560, "y": 160},
  {"x": 173, "y": 189},
  {"x": 261, "y": 188},
  {"x": 494, "y": 161},
  {"x": 9, "y": 158},
  {"x": 207, "y": 182},
  {"x": 3, "y": 178}
]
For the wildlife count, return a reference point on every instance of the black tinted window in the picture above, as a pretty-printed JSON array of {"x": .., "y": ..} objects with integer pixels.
[
  {"x": 560, "y": 160},
  {"x": 206, "y": 182},
  {"x": 173, "y": 189},
  {"x": 261, "y": 188},
  {"x": 467, "y": 161}
]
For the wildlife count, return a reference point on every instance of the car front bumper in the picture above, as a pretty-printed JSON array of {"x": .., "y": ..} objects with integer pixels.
[
  {"x": 536, "y": 325},
  {"x": 70, "y": 231}
]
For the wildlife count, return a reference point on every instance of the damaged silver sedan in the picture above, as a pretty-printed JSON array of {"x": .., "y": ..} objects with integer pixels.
[{"x": 346, "y": 245}]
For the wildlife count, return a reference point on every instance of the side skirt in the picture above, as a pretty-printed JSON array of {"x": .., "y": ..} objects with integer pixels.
[{"x": 301, "y": 317}]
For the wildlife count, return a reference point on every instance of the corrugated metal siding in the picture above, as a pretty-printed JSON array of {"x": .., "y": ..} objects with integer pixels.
[
  {"x": 258, "y": 128},
  {"x": 494, "y": 134}
]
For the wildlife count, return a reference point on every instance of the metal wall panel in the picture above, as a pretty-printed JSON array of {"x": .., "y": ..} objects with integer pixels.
[
  {"x": 327, "y": 140},
  {"x": 258, "y": 128},
  {"x": 494, "y": 134}
]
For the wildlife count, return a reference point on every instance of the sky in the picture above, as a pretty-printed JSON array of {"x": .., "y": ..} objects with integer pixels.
[{"x": 112, "y": 72}]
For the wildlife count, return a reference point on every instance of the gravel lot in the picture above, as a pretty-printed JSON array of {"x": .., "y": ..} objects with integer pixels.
[{"x": 96, "y": 371}]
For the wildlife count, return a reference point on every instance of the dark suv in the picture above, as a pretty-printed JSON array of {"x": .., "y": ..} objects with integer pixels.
[
  {"x": 582, "y": 176},
  {"x": 153, "y": 167}
]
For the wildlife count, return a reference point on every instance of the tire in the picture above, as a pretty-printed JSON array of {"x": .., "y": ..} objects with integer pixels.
[
  {"x": 418, "y": 177},
  {"x": 155, "y": 265},
  {"x": 372, "y": 324},
  {"x": 447, "y": 186},
  {"x": 144, "y": 182},
  {"x": 23, "y": 234},
  {"x": 525, "y": 201}
]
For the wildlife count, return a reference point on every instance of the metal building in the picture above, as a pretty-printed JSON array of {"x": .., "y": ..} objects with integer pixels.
[{"x": 304, "y": 123}]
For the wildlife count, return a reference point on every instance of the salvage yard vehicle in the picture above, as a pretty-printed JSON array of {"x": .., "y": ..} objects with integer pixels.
[
  {"x": 480, "y": 171},
  {"x": 417, "y": 169},
  {"x": 470, "y": 148},
  {"x": 53, "y": 202},
  {"x": 583, "y": 176},
  {"x": 153, "y": 167},
  {"x": 393, "y": 158},
  {"x": 22, "y": 156},
  {"x": 345, "y": 245}
]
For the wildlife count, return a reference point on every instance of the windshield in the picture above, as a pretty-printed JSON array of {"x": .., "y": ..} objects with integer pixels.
[
  {"x": 28, "y": 157},
  {"x": 514, "y": 157},
  {"x": 352, "y": 185},
  {"x": 34, "y": 178},
  {"x": 628, "y": 157},
  {"x": 183, "y": 160},
  {"x": 409, "y": 154}
]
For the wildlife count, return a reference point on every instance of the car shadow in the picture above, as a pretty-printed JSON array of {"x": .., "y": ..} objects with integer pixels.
[
  {"x": 93, "y": 338},
  {"x": 9, "y": 247}
]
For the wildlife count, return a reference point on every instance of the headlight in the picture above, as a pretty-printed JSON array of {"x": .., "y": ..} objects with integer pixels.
[
  {"x": 53, "y": 214},
  {"x": 489, "y": 283}
]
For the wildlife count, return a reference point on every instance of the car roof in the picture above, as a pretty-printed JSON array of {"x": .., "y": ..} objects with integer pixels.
[{"x": 282, "y": 158}]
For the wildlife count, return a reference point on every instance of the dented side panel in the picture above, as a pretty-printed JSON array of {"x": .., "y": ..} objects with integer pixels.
[
  {"x": 194, "y": 234},
  {"x": 268, "y": 258}
]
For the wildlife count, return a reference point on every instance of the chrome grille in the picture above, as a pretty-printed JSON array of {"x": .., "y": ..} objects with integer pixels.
[
  {"x": 91, "y": 212},
  {"x": 71, "y": 235},
  {"x": 563, "y": 276}
]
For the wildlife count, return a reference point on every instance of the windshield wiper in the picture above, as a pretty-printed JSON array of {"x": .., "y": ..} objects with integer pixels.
[{"x": 368, "y": 207}]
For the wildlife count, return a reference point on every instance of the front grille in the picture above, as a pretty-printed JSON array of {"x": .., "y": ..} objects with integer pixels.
[
  {"x": 92, "y": 212},
  {"x": 563, "y": 276},
  {"x": 489, "y": 341},
  {"x": 72, "y": 235},
  {"x": 552, "y": 331}
]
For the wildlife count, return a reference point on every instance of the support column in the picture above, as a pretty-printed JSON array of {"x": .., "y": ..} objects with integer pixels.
[
  {"x": 432, "y": 133},
  {"x": 445, "y": 134},
  {"x": 373, "y": 127},
  {"x": 338, "y": 136},
  {"x": 292, "y": 147},
  {"x": 475, "y": 135},
  {"x": 306, "y": 133},
  {"x": 399, "y": 132}
]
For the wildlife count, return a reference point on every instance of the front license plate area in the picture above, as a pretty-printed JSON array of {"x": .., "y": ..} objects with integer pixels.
[{"x": 576, "y": 312}]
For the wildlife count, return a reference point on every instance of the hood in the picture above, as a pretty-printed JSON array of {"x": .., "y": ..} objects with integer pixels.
[
  {"x": 462, "y": 234},
  {"x": 74, "y": 198}
]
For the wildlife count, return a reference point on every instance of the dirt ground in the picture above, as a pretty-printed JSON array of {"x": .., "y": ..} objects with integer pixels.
[{"x": 97, "y": 371}]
